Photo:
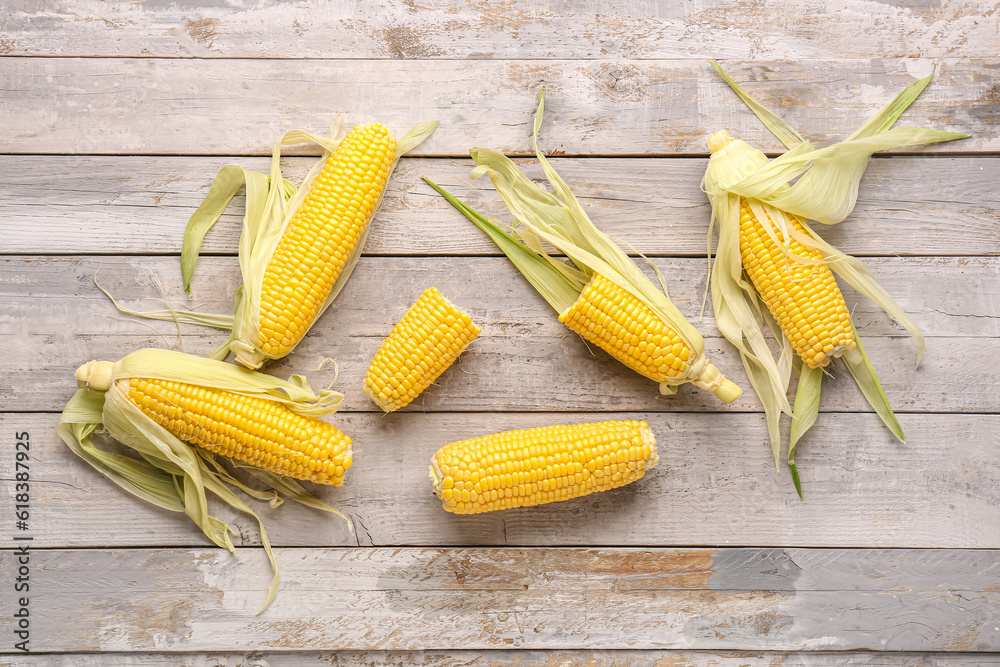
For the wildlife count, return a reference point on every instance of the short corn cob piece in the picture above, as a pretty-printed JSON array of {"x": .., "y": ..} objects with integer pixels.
[
  {"x": 803, "y": 298},
  {"x": 253, "y": 430},
  {"x": 421, "y": 346},
  {"x": 322, "y": 234},
  {"x": 541, "y": 465},
  {"x": 624, "y": 327}
]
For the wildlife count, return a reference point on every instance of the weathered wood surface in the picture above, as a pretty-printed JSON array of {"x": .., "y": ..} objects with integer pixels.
[
  {"x": 447, "y": 30},
  {"x": 141, "y": 205},
  {"x": 512, "y": 658},
  {"x": 640, "y": 107},
  {"x": 524, "y": 360},
  {"x": 716, "y": 484},
  {"x": 116, "y": 117},
  {"x": 428, "y": 598}
]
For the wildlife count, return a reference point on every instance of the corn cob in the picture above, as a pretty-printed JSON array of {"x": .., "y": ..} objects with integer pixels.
[
  {"x": 541, "y": 465},
  {"x": 158, "y": 403},
  {"x": 428, "y": 339},
  {"x": 602, "y": 295},
  {"x": 297, "y": 248},
  {"x": 803, "y": 297},
  {"x": 321, "y": 236},
  {"x": 760, "y": 208},
  {"x": 250, "y": 429},
  {"x": 624, "y": 327}
]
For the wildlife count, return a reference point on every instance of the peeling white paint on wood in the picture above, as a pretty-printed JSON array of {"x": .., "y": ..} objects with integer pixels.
[
  {"x": 440, "y": 29},
  {"x": 424, "y": 598},
  {"x": 716, "y": 484},
  {"x": 650, "y": 107},
  {"x": 141, "y": 205},
  {"x": 513, "y": 658}
]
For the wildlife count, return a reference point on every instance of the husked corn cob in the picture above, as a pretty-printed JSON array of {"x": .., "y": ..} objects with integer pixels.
[
  {"x": 624, "y": 327},
  {"x": 431, "y": 335},
  {"x": 803, "y": 298},
  {"x": 541, "y": 465},
  {"x": 322, "y": 234},
  {"x": 253, "y": 430}
]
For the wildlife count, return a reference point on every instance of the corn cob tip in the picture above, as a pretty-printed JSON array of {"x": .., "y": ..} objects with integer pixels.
[
  {"x": 719, "y": 140},
  {"x": 94, "y": 375}
]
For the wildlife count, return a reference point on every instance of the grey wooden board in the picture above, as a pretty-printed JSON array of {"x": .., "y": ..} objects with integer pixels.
[
  {"x": 716, "y": 484},
  {"x": 141, "y": 205},
  {"x": 644, "y": 107},
  {"x": 524, "y": 360},
  {"x": 446, "y": 30},
  {"x": 512, "y": 658},
  {"x": 430, "y": 598}
]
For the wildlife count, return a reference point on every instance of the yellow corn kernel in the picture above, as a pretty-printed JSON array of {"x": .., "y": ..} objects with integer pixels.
[
  {"x": 255, "y": 431},
  {"x": 431, "y": 335},
  {"x": 803, "y": 298},
  {"x": 624, "y": 327},
  {"x": 322, "y": 234},
  {"x": 541, "y": 465}
]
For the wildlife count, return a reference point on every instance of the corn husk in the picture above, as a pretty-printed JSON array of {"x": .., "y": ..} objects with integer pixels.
[
  {"x": 825, "y": 189},
  {"x": 558, "y": 219},
  {"x": 270, "y": 203},
  {"x": 171, "y": 473}
]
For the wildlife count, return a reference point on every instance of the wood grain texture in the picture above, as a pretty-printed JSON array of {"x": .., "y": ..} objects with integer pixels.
[
  {"x": 647, "y": 107},
  {"x": 716, "y": 484},
  {"x": 524, "y": 360},
  {"x": 512, "y": 658},
  {"x": 428, "y": 598},
  {"x": 141, "y": 205},
  {"x": 440, "y": 29}
]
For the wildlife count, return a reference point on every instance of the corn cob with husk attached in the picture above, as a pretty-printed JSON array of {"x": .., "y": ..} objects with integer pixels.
[
  {"x": 298, "y": 247},
  {"x": 422, "y": 345},
  {"x": 603, "y": 296},
  {"x": 763, "y": 234},
  {"x": 541, "y": 465},
  {"x": 159, "y": 403}
]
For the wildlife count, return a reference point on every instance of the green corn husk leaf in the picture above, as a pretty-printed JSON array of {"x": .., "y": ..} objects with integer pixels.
[
  {"x": 554, "y": 284},
  {"x": 861, "y": 369},
  {"x": 171, "y": 473},
  {"x": 558, "y": 219},
  {"x": 807, "y": 396},
  {"x": 270, "y": 203},
  {"x": 825, "y": 190}
]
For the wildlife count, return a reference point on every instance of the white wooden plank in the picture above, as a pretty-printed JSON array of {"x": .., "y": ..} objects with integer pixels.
[
  {"x": 716, "y": 484},
  {"x": 428, "y": 598},
  {"x": 140, "y": 205},
  {"x": 647, "y": 107},
  {"x": 524, "y": 360},
  {"x": 512, "y": 658},
  {"x": 448, "y": 30}
]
